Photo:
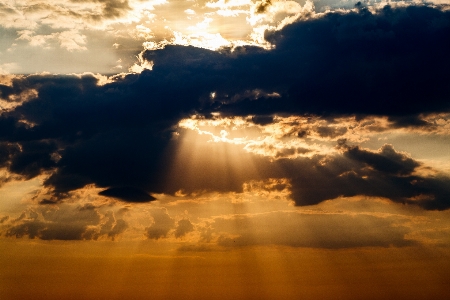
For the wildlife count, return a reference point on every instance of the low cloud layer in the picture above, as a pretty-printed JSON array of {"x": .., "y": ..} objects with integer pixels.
[
  {"x": 330, "y": 231},
  {"x": 66, "y": 222}
]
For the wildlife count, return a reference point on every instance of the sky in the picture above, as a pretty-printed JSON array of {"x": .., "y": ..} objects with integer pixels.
[{"x": 224, "y": 149}]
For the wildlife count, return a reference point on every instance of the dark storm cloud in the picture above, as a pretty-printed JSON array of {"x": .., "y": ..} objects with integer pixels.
[
  {"x": 128, "y": 194},
  {"x": 262, "y": 120},
  {"x": 384, "y": 173},
  {"x": 33, "y": 158},
  {"x": 394, "y": 63},
  {"x": 7, "y": 151},
  {"x": 408, "y": 121},
  {"x": 112, "y": 135},
  {"x": 387, "y": 160}
]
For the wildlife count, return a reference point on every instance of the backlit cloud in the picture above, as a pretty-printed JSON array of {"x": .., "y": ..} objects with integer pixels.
[
  {"x": 162, "y": 224},
  {"x": 66, "y": 222},
  {"x": 123, "y": 132}
]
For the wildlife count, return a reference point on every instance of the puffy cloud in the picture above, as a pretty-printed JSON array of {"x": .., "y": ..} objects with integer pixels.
[
  {"x": 183, "y": 227},
  {"x": 118, "y": 228},
  {"x": 162, "y": 224},
  {"x": 387, "y": 160},
  {"x": 66, "y": 222},
  {"x": 384, "y": 173}
]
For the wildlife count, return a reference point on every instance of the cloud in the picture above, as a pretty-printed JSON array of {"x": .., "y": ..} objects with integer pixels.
[
  {"x": 129, "y": 194},
  {"x": 385, "y": 173},
  {"x": 331, "y": 132},
  {"x": 114, "y": 8},
  {"x": 7, "y": 68},
  {"x": 358, "y": 62},
  {"x": 346, "y": 171},
  {"x": 183, "y": 227},
  {"x": 162, "y": 224},
  {"x": 118, "y": 228},
  {"x": 69, "y": 40},
  {"x": 261, "y": 6},
  {"x": 332, "y": 231},
  {"x": 112, "y": 227},
  {"x": 387, "y": 160},
  {"x": 85, "y": 123},
  {"x": 262, "y": 120},
  {"x": 293, "y": 136},
  {"x": 392, "y": 64},
  {"x": 66, "y": 222},
  {"x": 382, "y": 77},
  {"x": 7, "y": 151},
  {"x": 33, "y": 158}
]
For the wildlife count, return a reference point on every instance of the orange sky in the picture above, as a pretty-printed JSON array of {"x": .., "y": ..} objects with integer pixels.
[
  {"x": 80, "y": 270},
  {"x": 239, "y": 149}
]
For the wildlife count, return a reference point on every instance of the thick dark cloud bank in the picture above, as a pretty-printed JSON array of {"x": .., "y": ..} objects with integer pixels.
[{"x": 391, "y": 63}]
